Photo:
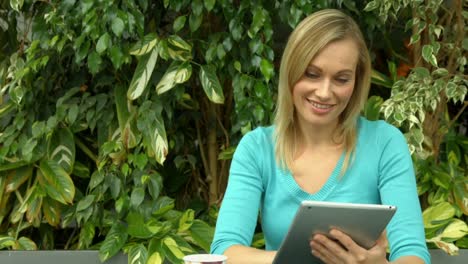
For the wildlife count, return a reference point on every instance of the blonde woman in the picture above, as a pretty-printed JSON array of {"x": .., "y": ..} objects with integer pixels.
[{"x": 319, "y": 148}]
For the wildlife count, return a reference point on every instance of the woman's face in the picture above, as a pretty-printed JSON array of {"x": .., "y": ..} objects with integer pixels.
[{"x": 324, "y": 90}]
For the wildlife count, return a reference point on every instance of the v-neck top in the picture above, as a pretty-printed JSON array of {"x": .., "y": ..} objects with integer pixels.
[{"x": 381, "y": 173}]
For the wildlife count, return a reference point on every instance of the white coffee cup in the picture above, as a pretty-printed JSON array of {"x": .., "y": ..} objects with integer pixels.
[{"x": 205, "y": 259}]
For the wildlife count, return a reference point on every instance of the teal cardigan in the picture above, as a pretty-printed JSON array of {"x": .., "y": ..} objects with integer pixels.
[{"x": 381, "y": 173}]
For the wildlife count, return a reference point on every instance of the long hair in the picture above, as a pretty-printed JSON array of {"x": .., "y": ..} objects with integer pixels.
[{"x": 305, "y": 42}]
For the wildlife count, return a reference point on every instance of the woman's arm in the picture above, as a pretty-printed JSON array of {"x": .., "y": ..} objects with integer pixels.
[
  {"x": 238, "y": 254},
  {"x": 238, "y": 215},
  {"x": 408, "y": 260},
  {"x": 397, "y": 186}
]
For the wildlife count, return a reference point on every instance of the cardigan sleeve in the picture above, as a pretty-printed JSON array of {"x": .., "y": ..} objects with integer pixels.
[
  {"x": 239, "y": 210},
  {"x": 397, "y": 186}
]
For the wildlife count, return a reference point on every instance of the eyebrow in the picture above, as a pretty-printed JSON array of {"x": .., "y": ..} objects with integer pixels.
[{"x": 340, "y": 72}]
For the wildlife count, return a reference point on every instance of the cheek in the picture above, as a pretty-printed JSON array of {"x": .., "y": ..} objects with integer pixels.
[{"x": 346, "y": 93}]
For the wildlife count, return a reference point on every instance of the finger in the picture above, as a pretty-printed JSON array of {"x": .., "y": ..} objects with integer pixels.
[
  {"x": 320, "y": 252},
  {"x": 328, "y": 248},
  {"x": 347, "y": 242},
  {"x": 381, "y": 244},
  {"x": 382, "y": 240}
]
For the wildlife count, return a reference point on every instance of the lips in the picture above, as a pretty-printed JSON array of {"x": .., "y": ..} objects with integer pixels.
[{"x": 319, "y": 105}]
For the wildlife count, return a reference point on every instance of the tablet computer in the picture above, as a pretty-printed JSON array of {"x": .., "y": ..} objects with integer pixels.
[{"x": 364, "y": 223}]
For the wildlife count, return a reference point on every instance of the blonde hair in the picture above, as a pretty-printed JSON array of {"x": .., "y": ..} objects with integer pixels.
[{"x": 305, "y": 42}]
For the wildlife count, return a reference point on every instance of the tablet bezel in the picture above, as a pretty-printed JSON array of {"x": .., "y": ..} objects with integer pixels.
[{"x": 362, "y": 222}]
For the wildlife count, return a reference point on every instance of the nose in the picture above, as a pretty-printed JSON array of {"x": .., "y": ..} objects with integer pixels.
[{"x": 323, "y": 90}]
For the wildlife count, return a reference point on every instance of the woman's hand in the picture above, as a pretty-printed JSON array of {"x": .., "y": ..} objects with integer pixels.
[{"x": 348, "y": 252}]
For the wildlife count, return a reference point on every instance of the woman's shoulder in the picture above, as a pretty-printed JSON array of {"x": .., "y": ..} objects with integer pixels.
[
  {"x": 378, "y": 128},
  {"x": 261, "y": 134}
]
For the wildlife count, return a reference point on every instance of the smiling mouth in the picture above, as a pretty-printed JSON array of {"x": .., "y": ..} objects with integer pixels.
[{"x": 320, "y": 106}]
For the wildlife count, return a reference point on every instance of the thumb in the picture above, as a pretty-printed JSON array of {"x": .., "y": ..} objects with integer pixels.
[{"x": 382, "y": 240}]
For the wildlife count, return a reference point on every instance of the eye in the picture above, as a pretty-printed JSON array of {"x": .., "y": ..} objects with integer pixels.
[
  {"x": 342, "y": 80},
  {"x": 311, "y": 75}
]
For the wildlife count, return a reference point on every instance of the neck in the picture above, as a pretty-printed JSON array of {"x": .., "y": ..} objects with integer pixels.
[{"x": 313, "y": 136}]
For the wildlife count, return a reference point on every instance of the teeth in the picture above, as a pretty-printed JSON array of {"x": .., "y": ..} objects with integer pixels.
[{"x": 320, "y": 106}]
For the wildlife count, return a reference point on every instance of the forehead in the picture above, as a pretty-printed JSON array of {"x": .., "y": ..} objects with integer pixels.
[{"x": 338, "y": 55}]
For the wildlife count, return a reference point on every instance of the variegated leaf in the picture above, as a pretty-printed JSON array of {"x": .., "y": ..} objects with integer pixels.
[
  {"x": 137, "y": 254},
  {"x": 159, "y": 142},
  {"x": 57, "y": 181},
  {"x": 61, "y": 148}
]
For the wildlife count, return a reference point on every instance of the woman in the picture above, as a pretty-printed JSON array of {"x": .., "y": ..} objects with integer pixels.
[{"x": 320, "y": 149}]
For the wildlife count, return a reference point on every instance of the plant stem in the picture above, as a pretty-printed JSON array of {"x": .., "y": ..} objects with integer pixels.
[
  {"x": 465, "y": 104},
  {"x": 86, "y": 150}
]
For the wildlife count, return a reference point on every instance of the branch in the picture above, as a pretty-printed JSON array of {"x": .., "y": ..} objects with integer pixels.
[
  {"x": 202, "y": 151},
  {"x": 86, "y": 150},
  {"x": 465, "y": 104}
]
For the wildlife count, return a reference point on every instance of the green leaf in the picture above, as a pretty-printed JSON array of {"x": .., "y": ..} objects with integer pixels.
[
  {"x": 197, "y": 7},
  {"x": 28, "y": 149},
  {"x": 202, "y": 234},
  {"x": 117, "y": 26},
  {"x": 460, "y": 193},
  {"x": 145, "y": 45},
  {"x": 266, "y": 67},
  {"x": 371, "y": 6},
  {"x": 51, "y": 210},
  {"x": 94, "y": 62},
  {"x": 258, "y": 20},
  {"x": 103, "y": 43},
  {"x": 428, "y": 55},
  {"x": 16, "y": 4},
  {"x": 85, "y": 202},
  {"x": 137, "y": 196},
  {"x": 421, "y": 72},
  {"x": 209, "y": 4},
  {"x": 25, "y": 243},
  {"x": 87, "y": 233},
  {"x": 175, "y": 74},
  {"x": 372, "y": 107},
  {"x": 177, "y": 48},
  {"x": 381, "y": 79},
  {"x": 80, "y": 170},
  {"x": 159, "y": 144},
  {"x": 6, "y": 108},
  {"x": 434, "y": 216},
  {"x": 142, "y": 75},
  {"x": 211, "y": 84},
  {"x": 195, "y": 21},
  {"x": 13, "y": 165},
  {"x": 34, "y": 206},
  {"x": 61, "y": 148},
  {"x": 186, "y": 220},
  {"x": 455, "y": 230},
  {"x": 137, "y": 254},
  {"x": 440, "y": 72},
  {"x": 138, "y": 227},
  {"x": 172, "y": 250},
  {"x": 96, "y": 178},
  {"x": 6, "y": 242},
  {"x": 155, "y": 185},
  {"x": 114, "y": 241},
  {"x": 414, "y": 39},
  {"x": 179, "y": 23},
  {"x": 155, "y": 258},
  {"x": 58, "y": 183},
  {"x": 116, "y": 56},
  {"x": 72, "y": 114},
  {"x": 163, "y": 205},
  {"x": 17, "y": 177}
]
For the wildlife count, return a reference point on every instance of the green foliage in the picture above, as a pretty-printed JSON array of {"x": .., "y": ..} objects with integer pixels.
[
  {"x": 422, "y": 104},
  {"x": 118, "y": 118}
]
